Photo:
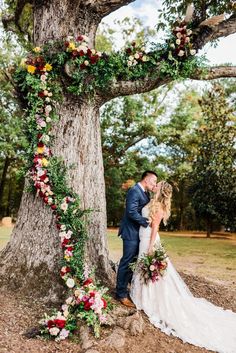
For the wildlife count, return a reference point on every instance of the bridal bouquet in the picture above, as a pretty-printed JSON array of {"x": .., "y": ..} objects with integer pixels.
[{"x": 152, "y": 267}]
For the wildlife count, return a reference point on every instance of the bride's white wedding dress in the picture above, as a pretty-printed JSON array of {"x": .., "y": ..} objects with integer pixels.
[{"x": 171, "y": 307}]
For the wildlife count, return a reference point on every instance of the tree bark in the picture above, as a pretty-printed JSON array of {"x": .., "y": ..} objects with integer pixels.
[
  {"x": 209, "y": 227},
  {"x": 3, "y": 182},
  {"x": 32, "y": 257},
  {"x": 31, "y": 260}
]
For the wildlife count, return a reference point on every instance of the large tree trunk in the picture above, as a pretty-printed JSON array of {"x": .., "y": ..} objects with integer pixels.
[{"x": 31, "y": 260}]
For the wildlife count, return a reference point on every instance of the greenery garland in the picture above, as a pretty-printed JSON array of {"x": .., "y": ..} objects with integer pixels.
[{"x": 38, "y": 80}]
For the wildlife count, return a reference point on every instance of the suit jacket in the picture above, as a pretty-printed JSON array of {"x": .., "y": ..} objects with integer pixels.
[{"x": 136, "y": 199}]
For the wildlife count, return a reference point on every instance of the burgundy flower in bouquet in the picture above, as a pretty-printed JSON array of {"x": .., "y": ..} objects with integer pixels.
[{"x": 151, "y": 267}]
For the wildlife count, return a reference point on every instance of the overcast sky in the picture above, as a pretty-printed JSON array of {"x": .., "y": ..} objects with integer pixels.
[{"x": 147, "y": 10}]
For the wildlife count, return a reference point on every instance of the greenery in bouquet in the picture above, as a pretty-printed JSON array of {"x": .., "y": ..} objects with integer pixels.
[{"x": 151, "y": 267}]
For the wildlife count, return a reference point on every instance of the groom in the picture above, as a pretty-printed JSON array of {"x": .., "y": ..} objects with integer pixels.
[{"x": 137, "y": 197}]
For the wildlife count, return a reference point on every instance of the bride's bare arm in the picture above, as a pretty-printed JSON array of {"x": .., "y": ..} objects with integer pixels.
[{"x": 156, "y": 220}]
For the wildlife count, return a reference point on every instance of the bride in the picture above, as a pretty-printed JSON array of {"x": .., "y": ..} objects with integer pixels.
[{"x": 168, "y": 302}]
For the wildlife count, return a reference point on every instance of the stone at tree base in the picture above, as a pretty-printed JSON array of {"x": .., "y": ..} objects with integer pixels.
[
  {"x": 115, "y": 340},
  {"x": 7, "y": 221},
  {"x": 133, "y": 323},
  {"x": 87, "y": 341}
]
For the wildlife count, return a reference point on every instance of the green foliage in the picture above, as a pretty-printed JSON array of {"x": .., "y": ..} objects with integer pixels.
[
  {"x": 214, "y": 192},
  {"x": 172, "y": 10}
]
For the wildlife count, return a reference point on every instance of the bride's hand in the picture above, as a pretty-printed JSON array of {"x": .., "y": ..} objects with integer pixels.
[{"x": 150, "y": 251}]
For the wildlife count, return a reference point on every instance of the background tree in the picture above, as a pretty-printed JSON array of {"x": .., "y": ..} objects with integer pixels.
[
  {"x": 214, "y": 187},
  {"x": 77, "y": 135},
  {"x": 125, "y": 123},
  {"x": 12, "y": 140}
]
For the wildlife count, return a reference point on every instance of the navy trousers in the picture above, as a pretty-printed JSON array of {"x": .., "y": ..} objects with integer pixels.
[{"x": 124, "y": 274}]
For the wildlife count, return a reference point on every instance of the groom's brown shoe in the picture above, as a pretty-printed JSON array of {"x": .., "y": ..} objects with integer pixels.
[{"x": 127, "y": 302}]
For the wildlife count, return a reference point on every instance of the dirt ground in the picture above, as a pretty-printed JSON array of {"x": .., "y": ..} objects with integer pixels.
[{"x": 19, "y": 314}]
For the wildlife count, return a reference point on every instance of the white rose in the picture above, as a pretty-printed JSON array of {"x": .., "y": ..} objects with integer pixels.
[
  {"x": 43, "y": 78},
  {"x": 82, "y": 47},
  {"x": 135, "y": 62},
  {"x": 145, "y": 58},
  {"x": 64, "y": 206},
  {"x": 49, "y": 94},
  {"x": 46, "y": 138},
  {"x": 63, "y": 227},
  {"x": 50, "y": 200},
  {"x": 192, "y": 51},
  {"x": 181, "y": 53},
  {"x": 68, "y": 234},
  {"x": 131, "y": 58},
  {"x": 85, "y": 38},
  {"x": 178, "y": 35},
  {"x": 93, "y": 51},
  {"x": 86, "y": 63},
  {"x": 152, "y": 268},
  {"x": 187, "y": 40},
  {"x": 143, "y": 48},
  {"x": 136, "y": 55},
  {"x": 172, "y": 46},
  {"x": 99, "y": 53},
  {"x": 54, "y": 331},
  {"x": 70, "y": 283},
  {"x": 48, "y": 108},
  {"x": 45, "y": 92},
  {"x": 48, "y": 119},
  {"x": 129, "y": 63},
  {"x": 47, "y": 99},
  {"x": 178, "y": 41},
  {"x": 189, "y": 32},
  {"x": 69, "y": 300}
]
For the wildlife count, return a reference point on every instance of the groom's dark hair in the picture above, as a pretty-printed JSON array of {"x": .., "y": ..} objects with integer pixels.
[{"x": 148, "y": 172}]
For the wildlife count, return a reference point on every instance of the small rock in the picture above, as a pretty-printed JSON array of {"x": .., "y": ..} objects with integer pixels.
[
  {"x": 86, "y": 341},
  {"x": 116, "y": 339}
]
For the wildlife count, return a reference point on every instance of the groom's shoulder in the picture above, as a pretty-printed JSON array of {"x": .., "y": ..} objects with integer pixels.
[{"x": 135, "y": 189}]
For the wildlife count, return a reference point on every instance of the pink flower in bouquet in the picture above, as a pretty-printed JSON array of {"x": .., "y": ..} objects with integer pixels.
[{"x": 64, "y": 334}]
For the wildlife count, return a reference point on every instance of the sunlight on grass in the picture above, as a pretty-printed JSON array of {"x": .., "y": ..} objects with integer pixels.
[
  {"x": 5, "y": 233},
  {"x": 212, "y": 258}
]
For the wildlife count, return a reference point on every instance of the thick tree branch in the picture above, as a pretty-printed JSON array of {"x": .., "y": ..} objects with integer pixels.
[
  {"x": 215, "y": 72},
  {"x": 205, "y": 34},
  {"x": 124, "y": 88},
  {"x": 104, "y": 7}
]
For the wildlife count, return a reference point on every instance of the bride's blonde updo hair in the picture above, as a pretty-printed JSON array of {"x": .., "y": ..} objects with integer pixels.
[{"x": 161, "y": 201}]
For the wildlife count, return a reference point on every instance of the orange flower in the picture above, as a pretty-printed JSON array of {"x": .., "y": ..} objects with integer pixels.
[
  {"x": 31, "y": 69},
  {"x": 47, "y": 67},
  {"x": 40, "y": 150}
]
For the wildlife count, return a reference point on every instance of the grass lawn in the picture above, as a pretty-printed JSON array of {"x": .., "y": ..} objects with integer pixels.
[{"x": 213, "y": 258}]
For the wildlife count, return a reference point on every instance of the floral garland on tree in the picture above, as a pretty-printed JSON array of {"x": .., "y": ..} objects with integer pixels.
[
  {"x": 37, "y": 79},
  {"x": 87, "y": 301}
]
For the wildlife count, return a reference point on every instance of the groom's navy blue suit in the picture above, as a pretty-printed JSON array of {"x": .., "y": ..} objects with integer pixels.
[{"x": 136, "y": 199}]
